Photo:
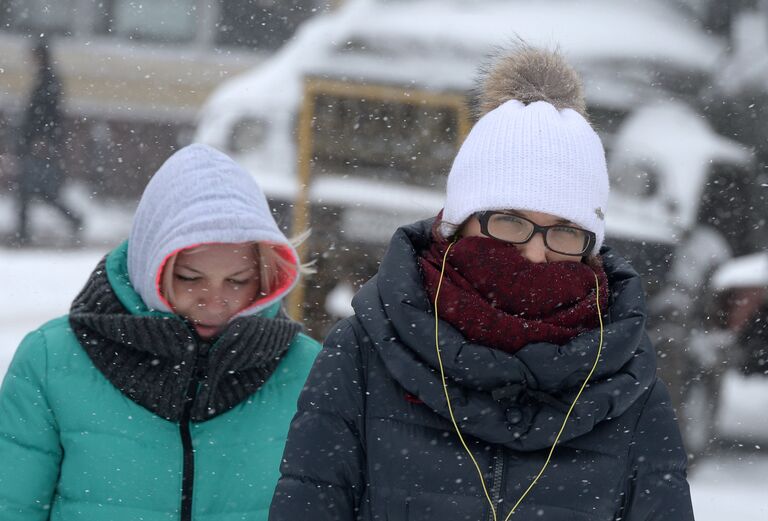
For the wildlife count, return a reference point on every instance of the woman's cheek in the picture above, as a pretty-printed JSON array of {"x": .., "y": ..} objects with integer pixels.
[{"x": 183, "y": 301}]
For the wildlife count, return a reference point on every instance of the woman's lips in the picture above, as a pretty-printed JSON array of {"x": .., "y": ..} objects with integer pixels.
[{"x": 206, "y": 330}]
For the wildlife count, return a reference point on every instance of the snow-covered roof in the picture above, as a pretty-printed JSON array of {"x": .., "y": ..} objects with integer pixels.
[
  {"x": 749, "y": 271},
  {"x": 605, "y": 29},
  {"x": 437, "y": 43}
]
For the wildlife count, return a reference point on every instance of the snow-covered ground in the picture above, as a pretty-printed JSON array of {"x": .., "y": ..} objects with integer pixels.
[{"x": 39, "y": 284}]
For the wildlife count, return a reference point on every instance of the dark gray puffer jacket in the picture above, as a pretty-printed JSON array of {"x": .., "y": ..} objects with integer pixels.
[{"x": 372, "y": 438}]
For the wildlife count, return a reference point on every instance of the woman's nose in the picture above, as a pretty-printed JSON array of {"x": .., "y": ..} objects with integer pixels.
[
  {"x": 213, "y": 300},
  {"x": 534, "y": 250}
]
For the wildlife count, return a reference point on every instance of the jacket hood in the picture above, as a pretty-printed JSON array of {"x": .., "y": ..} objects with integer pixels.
[
  {"x": 201, "y": 196},
  {"x": 518, "y": 400}
]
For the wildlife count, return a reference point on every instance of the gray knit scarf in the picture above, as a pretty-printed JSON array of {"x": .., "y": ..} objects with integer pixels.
[{"x": 153, "y": 360}]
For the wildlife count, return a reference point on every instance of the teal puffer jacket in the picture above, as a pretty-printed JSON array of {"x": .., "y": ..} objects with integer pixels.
[{"x": 74, "y": 446}]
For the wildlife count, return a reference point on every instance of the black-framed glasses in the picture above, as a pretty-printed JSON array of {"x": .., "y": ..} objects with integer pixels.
[{"x": 560, "y": 238}]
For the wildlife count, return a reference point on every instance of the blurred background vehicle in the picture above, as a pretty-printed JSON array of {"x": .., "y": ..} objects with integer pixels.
[{"x": 356, "y": 121}]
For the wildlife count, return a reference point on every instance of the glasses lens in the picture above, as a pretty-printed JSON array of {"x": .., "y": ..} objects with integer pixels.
[
  {"x": 567, "y": 240},
  {"x": 509, "y": 228}
]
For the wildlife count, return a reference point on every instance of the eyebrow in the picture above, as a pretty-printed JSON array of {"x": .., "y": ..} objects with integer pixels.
[
  {"x": 559, "y": 221},
  {"x": 231, "y": 274}
]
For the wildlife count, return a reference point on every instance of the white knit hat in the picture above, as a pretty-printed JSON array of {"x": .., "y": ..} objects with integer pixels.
[{"x": 526, "y": 154}]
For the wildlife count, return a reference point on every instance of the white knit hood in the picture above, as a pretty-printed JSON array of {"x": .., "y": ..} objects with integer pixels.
[{"x": 200, "y": 196}]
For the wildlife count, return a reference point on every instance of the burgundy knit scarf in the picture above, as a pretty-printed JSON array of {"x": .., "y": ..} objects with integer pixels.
[{"x": 498, "y": 298}]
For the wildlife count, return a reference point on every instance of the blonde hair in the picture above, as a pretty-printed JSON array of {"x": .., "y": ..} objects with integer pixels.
[{"x": 270, "y": 262}]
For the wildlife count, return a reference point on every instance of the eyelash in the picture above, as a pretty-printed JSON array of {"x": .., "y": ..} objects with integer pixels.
[{"x": 193, "y": 279}]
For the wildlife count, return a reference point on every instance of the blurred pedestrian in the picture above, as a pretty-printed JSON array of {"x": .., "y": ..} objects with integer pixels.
[
  {"x": 498, "y": 361},
  {"x": 41, "y": 139},
  {"x": 167, "y": 391}
]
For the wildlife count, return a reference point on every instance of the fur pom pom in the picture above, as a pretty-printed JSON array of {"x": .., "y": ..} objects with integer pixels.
[{"x": 527, "y": 74}]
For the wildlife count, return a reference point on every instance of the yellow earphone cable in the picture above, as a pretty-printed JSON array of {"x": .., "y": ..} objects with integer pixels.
[
  {"x": 445, "y": 388},
  {"x": 562, "y": 427}
]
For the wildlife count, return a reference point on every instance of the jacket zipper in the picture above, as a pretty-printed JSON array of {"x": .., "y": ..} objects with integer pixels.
[
  {"x": 627, "y": 495},
  {"x": 188, "y": 461},
  {"x": 497, "y": 472}
]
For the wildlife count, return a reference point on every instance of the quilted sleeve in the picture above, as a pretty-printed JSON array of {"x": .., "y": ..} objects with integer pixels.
[
  {"x": 30, "y": 451},
  {"x": 658, "y": 487},
  {"x": 322, "y": 467}
]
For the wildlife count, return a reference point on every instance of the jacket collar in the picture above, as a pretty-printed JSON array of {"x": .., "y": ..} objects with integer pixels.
[
  {"x": 154, "y": 358},
  {"x": 518, "y": 400}
]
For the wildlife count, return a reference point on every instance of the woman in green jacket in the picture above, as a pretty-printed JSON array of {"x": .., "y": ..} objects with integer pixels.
[{"x": 167, "y": 391}]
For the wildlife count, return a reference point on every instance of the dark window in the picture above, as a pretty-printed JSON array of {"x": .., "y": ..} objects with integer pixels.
[
  {"x": 149, "y": 20},
  {"x": 635, "y": 179},
  {"x": 392, "y": 140},
  {"x": 730, "y": 202},
  {"x": 37, "y": 16},
  {"x": 260, "y": 24}
]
